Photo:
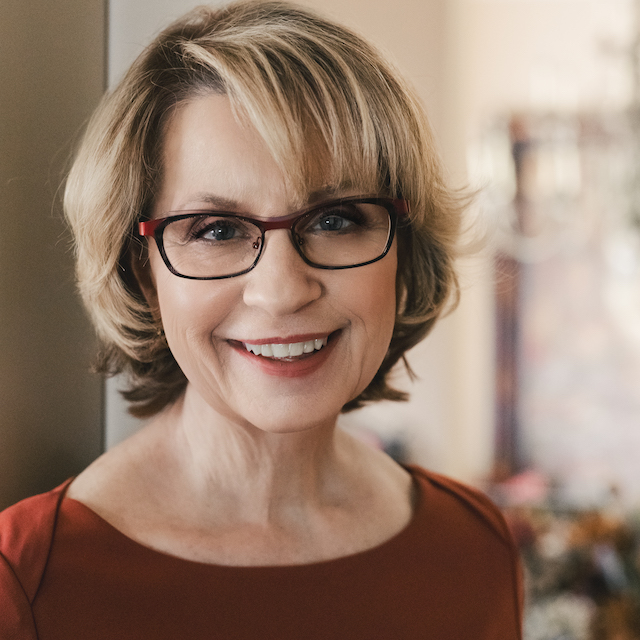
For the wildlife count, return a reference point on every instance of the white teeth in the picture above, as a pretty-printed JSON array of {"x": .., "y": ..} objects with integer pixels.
[
  {"x": 286, "y": 350},
  {"x": 296, "y": 349},
  {"x": 279, "y": 350}
]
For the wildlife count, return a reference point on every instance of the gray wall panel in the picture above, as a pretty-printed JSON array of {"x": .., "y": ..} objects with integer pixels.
[{"x": 51, "y": 77}]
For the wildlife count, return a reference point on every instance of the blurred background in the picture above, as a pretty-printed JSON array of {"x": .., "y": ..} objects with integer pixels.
[{"x": 530, "y": 389}]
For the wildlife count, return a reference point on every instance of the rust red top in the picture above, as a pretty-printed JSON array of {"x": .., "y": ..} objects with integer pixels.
[{"x": 451, "y": 574}]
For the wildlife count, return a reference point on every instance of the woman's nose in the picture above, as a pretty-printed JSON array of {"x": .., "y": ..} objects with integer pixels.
[{"x": 281, "y": 283}]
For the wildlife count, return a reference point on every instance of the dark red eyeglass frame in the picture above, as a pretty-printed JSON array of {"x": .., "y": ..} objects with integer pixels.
[{"x": 397, "y": 208}]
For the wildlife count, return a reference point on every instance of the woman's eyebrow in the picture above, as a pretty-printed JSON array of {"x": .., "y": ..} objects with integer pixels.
[
  {"x": 222, "y": 203},
  {"x": 219, "y": 202},
  {"x": 328, "y": 191},
  {"x": 321, "y": 194}
]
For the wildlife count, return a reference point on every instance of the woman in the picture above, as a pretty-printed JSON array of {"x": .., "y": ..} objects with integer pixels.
[{"x": 262, "y": 232}]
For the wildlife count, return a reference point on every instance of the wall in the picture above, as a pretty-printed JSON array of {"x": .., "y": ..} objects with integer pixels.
[
  {"x": 558, "y": 55},
  {"x": 51, "y": 77}
]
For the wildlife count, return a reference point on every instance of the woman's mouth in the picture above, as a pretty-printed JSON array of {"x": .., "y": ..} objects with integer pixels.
[
  {"x": 280, "y": 351},
  {"x": 300, "y": 357}
]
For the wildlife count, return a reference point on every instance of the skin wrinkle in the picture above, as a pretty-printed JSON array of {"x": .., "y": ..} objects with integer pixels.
[{"x": 243, "y": 450}]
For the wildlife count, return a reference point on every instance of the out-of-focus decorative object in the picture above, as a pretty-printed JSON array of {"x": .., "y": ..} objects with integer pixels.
[
  {"x": 567, "y": 616},
  {"x": 531, "y": 167},
  {"x": 529, "y": 488},
  {"x": 582, "y": 568},
  {"x": 564, "y": 188}
]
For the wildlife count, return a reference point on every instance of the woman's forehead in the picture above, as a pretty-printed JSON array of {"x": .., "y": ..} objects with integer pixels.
[{"x": 207, "y": 135}]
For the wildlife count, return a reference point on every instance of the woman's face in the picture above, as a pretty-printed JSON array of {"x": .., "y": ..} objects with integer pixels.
[{"x": 210, "y": 161}]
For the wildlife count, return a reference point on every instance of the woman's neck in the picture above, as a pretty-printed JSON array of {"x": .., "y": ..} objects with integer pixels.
[
  {"x": 251, "y": 473},
  {"x": 202, "y": 487}
]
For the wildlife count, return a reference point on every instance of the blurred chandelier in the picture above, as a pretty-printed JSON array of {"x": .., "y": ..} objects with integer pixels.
[
  {"x": 567, "y": 185},
  {"x": 554, "y": 181}
]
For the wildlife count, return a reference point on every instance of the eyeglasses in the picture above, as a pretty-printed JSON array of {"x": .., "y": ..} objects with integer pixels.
[{"x": 341, "y": 234}]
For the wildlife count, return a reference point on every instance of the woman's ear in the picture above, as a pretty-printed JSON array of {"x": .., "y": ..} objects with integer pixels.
[{"x": 141, "y": 269}]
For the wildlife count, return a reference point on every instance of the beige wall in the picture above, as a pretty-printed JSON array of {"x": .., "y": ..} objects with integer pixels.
[{"x": 51, "y": 76}]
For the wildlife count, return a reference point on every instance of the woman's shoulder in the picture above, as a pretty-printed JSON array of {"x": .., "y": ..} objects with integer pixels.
[
  {"x": 459, "y": 532},
  {"x": 453, "y": 497},
  {"x": 26, "y": 534}
]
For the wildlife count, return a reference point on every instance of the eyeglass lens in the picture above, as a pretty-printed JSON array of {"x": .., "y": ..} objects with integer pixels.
[{"x": 215, "y": 245}]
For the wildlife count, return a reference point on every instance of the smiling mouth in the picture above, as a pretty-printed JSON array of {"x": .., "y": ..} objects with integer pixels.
[{"x": 288, "y": 350}]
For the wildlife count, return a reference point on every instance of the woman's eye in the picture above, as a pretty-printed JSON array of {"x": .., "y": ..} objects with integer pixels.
[
  {"x": 218, "y": 232},
  {"x": 341, "y": 219},
  {"x": 332, "y": 223}
]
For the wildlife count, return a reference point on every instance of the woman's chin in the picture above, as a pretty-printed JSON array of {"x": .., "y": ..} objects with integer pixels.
[
  {"x": 283, "y": 418},
  {"x": 265, "y": 410}
]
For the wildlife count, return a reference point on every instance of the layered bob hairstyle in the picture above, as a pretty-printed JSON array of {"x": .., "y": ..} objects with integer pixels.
[{"x": 312, "y": 89}]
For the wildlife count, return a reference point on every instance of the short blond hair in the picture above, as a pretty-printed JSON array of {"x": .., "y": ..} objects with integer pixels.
[{"x": 296, "y": 77}]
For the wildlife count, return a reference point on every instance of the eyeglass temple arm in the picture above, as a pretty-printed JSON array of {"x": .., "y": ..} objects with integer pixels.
[
  {"x": 402, "y": 207},
  {"x": 148, "y": 228}
]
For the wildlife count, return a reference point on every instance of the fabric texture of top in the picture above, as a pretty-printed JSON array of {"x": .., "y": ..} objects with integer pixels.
[{"x": 451, "y": 574}]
